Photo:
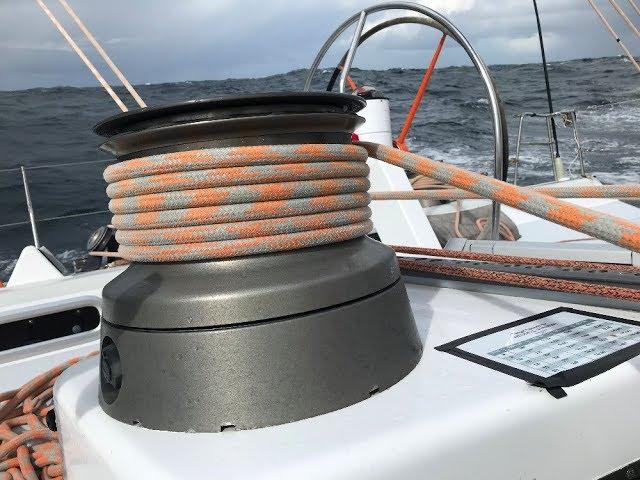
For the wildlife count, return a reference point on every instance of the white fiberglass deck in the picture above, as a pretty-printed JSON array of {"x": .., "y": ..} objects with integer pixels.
[
  {"x": 448, "y": 419},
  {"x": 19, "y": 365}
]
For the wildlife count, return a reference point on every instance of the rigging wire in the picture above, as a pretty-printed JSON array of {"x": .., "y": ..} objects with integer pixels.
[
  {"x": 546, "y": 78},
  {"x": 49, "y": 219},
  {"x": 56, "y": 165}
]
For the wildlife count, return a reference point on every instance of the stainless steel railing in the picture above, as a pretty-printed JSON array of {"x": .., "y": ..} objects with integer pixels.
[{"x": 569, "y": 119}]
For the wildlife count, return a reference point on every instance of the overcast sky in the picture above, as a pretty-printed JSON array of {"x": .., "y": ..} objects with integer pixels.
[{"x": 156, "y": 41}]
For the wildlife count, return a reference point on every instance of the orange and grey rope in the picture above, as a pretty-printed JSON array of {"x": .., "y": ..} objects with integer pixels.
[
  {"x": 598, "y": 225},
  {"x": 522, "y": 280},
  {"x": 222, "y": 203},
  {"x": 515, "y": 260},
  {"x": 29, "y": 450},
  {"x": 229, "y": 202},
  {"x": 631, "y": 191}
]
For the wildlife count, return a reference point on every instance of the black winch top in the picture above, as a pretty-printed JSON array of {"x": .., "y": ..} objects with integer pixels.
[{"x": 234, "y": 120}]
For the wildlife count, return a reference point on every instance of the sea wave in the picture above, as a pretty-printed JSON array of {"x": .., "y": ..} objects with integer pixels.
[{"x": 45, "y": 126}]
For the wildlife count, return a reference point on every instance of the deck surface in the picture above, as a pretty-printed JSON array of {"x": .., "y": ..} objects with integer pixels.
[{"x": 448, "y": 419}]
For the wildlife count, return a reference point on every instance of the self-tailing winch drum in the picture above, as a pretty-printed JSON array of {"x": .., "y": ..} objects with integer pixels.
[{"x": 246, "y": 329}]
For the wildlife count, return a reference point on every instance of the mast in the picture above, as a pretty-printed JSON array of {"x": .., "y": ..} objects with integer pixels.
[{"x": 546, "y": 78}]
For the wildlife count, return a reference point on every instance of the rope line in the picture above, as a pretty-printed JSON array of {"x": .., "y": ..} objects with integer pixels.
[
  {"x": 83, "y": 57},
  {"x": 635, "y": 6},
  {"x": 614, "y": 34},
  {"x": 29, "y": 450},
  {"x": 514, "y": 259},
  {"x": 596, "y": 224},
  {"x": 229, "y": 202},
  {"x": 103, "y": 54},
  {"x": 520, "y": 280},
  {"x": 415, "y": 105},
  {"x": 631, "y": 191},
  {"x": 624, "y": 16}
]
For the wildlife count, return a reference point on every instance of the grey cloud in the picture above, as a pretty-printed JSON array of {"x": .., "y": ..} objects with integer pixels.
[{"x": 164, "y": 40}]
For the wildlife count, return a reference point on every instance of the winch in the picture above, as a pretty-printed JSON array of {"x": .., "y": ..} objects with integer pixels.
[{"x": 255, "y": 336}]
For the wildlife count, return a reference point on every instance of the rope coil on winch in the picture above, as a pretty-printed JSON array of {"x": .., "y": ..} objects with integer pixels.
[
  {"x": 229, "y": 202},
  {"x": 29, "y": 449}
]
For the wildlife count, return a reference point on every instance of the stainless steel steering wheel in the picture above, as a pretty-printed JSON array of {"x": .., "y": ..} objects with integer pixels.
[{"x": 501, "y": 139}]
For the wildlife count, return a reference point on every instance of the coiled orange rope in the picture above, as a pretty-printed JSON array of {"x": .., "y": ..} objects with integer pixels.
[
  {"x": 28, "y": 448},
  {"x": 229, "y": 202}
]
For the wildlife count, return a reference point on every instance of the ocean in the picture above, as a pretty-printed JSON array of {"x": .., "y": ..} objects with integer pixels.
[{"x": 50, "y": 126}]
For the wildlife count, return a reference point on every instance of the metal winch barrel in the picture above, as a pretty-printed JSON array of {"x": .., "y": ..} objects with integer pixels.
[{"x": 253, "y": 340}]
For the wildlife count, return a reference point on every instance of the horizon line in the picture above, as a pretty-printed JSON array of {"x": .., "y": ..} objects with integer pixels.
[{"x": 295, "y": 70}]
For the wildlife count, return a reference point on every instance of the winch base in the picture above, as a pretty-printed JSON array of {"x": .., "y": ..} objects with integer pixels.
[{"x": 263, "y": 373}]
